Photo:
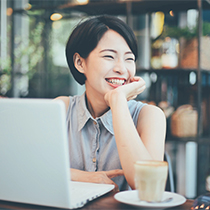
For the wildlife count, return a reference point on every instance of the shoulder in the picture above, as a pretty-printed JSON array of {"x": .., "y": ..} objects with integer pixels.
[
  {"x": 152, "y": 114},
  {"x": 135, "y": 106},
  {"x": 152, "y": 108},
  {"x": 65, "y": 99},
  {"x": 151, "y": 125}
]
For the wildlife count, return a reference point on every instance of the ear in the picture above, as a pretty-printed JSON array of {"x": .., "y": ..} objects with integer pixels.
[{"x": 79, "y": 62}]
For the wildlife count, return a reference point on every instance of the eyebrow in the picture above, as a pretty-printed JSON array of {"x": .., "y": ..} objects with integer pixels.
[{"x": 111, "y": 50}]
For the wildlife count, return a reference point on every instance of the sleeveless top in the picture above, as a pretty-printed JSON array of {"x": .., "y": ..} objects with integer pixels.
[{"x": 92, "y": 143}]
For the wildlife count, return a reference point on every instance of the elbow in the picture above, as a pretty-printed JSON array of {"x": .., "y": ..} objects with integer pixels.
[
  {"x": 132, "y": 186},
  {"x": 131, "y": 181}
]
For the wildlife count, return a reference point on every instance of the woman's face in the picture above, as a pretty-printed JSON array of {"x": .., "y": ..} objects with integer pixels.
[{"x": 109, "y": 65}]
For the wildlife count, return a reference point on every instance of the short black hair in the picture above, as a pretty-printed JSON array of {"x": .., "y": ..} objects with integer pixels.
[{"x": 85, "y": 37}]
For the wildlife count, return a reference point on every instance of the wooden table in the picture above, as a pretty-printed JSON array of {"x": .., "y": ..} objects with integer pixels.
[{"x": 105, "y": 202}]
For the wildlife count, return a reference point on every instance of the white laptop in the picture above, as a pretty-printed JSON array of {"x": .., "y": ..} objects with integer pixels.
[{"x": 34, "y": 156}]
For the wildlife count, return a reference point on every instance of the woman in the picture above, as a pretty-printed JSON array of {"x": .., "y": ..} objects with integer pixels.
[{"x": 108, "y": 131}]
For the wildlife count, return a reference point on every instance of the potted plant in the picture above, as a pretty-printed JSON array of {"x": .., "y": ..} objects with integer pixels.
[{"x": 188, "y": 45}]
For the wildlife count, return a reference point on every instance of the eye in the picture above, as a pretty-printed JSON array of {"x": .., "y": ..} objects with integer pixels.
[
  {"x": 108, "y": 56},
  {"x": 130, "y": 59}
]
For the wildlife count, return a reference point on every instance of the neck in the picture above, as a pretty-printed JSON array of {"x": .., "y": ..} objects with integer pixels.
[{"x": 95, "y": 106}]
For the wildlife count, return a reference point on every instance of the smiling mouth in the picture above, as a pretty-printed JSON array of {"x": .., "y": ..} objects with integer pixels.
[{"x": 116, "y": 81}]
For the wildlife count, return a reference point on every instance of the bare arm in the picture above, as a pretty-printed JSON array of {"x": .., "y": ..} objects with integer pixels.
[{"x": 144, "y": 143}]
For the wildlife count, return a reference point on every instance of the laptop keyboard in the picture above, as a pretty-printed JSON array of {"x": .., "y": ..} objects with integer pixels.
[{"x": 83, "y": 192}]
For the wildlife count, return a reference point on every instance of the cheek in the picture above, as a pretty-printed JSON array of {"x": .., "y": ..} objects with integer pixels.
[
  {"x": 94, "y": 72},
  {"x": 131, "y": 67}
]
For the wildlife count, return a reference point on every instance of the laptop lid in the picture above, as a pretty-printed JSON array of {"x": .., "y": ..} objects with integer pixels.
[{"x": 34, "y": 158}]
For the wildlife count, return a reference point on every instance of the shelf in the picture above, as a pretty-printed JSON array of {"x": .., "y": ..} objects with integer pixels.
[
  {"x": 120, "y": 7},
  {"x": 181, "y": 140},
  {"x": 170, "y": 71},
  {"x": 202, "y": 140},
  {"x": 143, "y": 6}
]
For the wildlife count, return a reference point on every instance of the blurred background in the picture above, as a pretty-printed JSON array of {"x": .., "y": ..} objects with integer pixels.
[{"x": 174, "y": 59}]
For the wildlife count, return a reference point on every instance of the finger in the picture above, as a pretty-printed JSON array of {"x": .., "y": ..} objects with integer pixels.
[
  {"x": 114, "y": 173},
  {"x": 116, "y": 188},
  {"x": 141, "y": 89},
  {"x": 109, "y": 181},
  {"x": 137, "y": 79},
  {"x": 137, "y": 91},
  {"x": 138, "y": 85},
  {"x": 131, "y": 98}
]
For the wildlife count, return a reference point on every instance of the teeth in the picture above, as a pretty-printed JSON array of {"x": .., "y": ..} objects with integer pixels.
[{"x": 116, "y": 81}]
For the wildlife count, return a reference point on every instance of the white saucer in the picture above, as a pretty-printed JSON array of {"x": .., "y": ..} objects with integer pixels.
[{"x": 131, "y": 197}]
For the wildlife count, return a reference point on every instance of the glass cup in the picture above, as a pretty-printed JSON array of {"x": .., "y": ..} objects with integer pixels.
[{"x": 150, "y": 179}]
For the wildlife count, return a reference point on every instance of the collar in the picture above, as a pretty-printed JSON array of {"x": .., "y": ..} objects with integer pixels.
[{"x": 84, "y": 116}]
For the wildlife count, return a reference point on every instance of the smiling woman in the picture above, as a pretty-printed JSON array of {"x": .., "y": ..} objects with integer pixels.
[
  {"x": 111, "y": 61},
  {"x": 108, "y": 130}
]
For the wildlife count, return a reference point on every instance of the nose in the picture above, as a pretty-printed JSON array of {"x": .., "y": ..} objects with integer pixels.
[{"x": 120, "y": 67}]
